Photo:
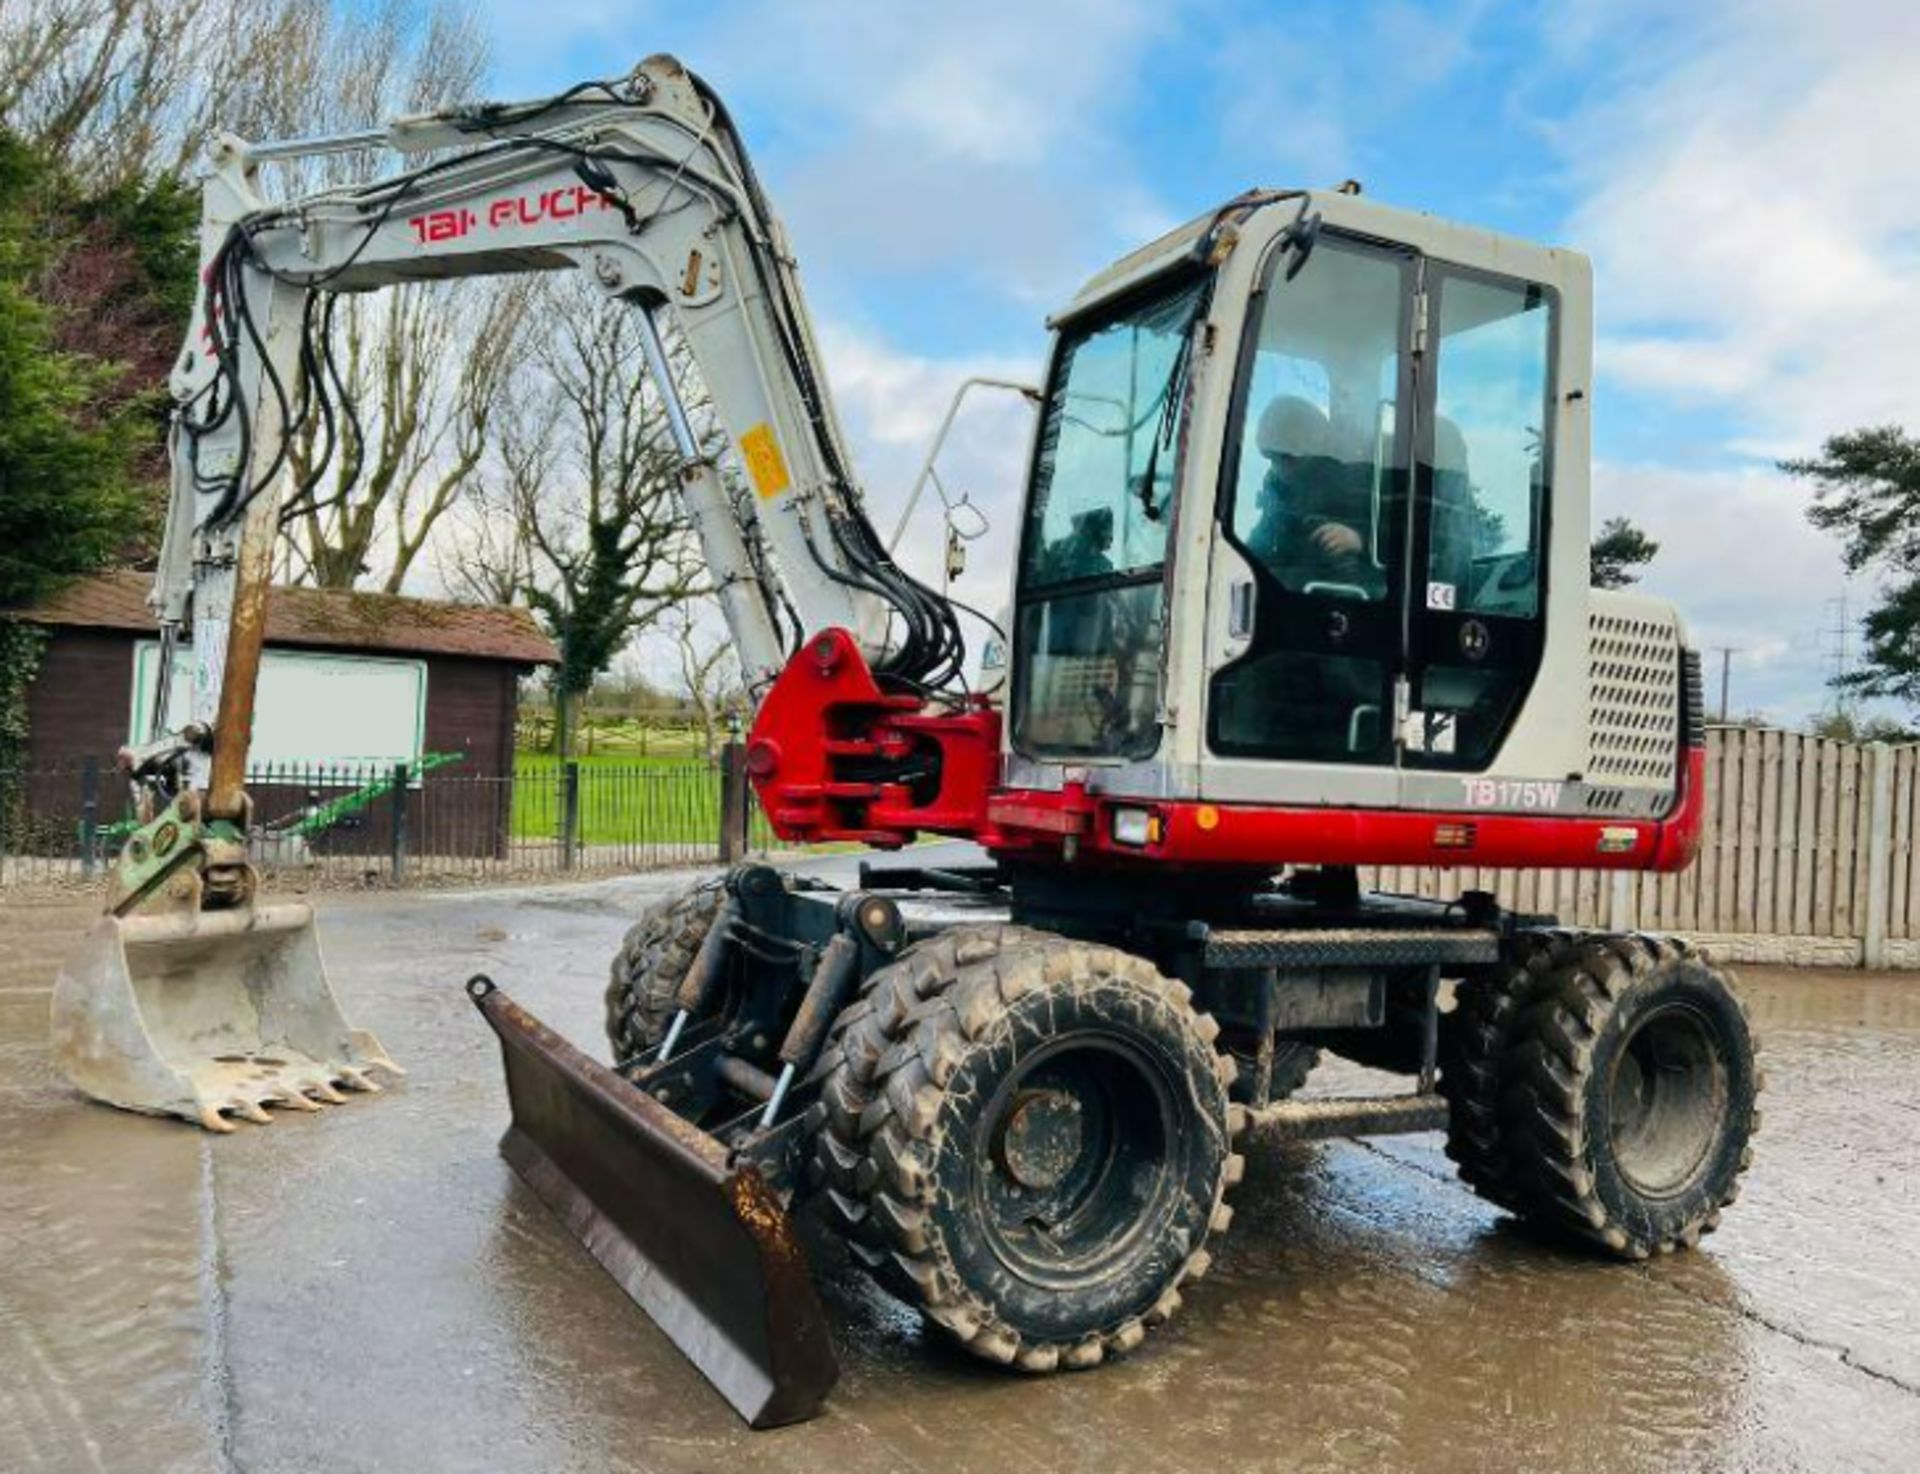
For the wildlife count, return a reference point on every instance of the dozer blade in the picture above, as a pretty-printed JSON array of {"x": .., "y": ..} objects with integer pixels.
[
  {"x": 197, "y": 1014},
  {"x": 701, "y": 1245}
]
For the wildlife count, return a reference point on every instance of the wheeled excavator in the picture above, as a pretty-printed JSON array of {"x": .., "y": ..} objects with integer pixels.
[{"x": 1301, "y": 587}]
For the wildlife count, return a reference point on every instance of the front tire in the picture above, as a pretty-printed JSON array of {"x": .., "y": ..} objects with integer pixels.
[
  {"x": 652, "y": 963},
  {"x": 1031, "y": 1139},
  {"x": 1631, "y": 1107}
]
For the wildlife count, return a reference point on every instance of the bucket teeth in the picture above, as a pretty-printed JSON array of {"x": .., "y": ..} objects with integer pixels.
[
  {"x": 309, "y": 1094},
  {"x": 140, "y": 1009}
]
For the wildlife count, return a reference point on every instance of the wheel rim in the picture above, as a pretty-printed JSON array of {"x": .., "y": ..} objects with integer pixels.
[
  {"x": 1668, "y": 1098},
  {"x": 1078, "y": 1158}
]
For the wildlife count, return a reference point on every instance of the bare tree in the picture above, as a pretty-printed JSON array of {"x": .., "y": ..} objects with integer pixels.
[
  {"x": 117, "y": 90},
  {"x": 424, "y": 363},
  {"x": 709, "y": 670},
  {"x": 429, "y": 364},
  {"x": 579, "y": 513},
  {"x": 488, "y": 554},
  {"x": 107, "y": 88}
]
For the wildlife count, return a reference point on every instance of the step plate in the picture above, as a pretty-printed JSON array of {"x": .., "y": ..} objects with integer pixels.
[{"x": 1288, "y": 947}]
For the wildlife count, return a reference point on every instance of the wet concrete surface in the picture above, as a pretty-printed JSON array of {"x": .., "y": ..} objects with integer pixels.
[{"x": 371, "y": 1288}]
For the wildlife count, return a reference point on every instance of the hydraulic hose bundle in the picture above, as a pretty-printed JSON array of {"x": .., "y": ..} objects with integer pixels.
[{"x": 925, "y": 648}]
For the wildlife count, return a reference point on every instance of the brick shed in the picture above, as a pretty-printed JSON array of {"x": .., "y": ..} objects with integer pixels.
[
  {"x": 351, "y": 684},
  {"x": 463, "y": 662}
]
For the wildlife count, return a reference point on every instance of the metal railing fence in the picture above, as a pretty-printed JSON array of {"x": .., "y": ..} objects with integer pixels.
[{"x": 374, "y": 823}]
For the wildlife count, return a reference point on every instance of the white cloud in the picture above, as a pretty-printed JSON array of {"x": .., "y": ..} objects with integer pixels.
[
  {"x": 994, "y": 81},
  {"x": 982, "y": 144},
  {"x": 892, "y": 403},
  {"x": 1303, "y": 91},
  {"x": 1746, "y": 208},
  {"x": 1739, "y": 558},
  {"x": 1741, "y": 187}
]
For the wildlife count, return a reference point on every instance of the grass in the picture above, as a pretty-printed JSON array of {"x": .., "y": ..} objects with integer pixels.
[
  {"x": 625, "y": 799},
  {"x": 534, "y": 764}
]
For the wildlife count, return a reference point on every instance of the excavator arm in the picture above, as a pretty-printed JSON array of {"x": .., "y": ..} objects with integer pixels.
[
  {"x": 192, "y": 1000},
  {"x": 642, "y": 185}
]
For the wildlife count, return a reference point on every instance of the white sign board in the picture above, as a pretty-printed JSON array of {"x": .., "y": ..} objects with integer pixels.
[{"x": 312, "y": 710}]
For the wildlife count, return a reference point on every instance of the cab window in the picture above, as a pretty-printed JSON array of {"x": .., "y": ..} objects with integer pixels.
[
  {"x": 1314, "y": 501},
  {"x": 1488, "y": 452},
  {"x": 1089, "y": 606},
  {"x": 1484, "y": 477}
]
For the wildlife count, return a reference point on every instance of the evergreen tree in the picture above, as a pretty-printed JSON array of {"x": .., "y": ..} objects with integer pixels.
[
  {"x": 1867, "y": 493},
  {"x": 1619, "y": 553},
  {"x": 66, "y": 503}
]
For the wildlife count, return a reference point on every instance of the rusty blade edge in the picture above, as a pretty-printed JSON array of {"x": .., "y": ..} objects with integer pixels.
[{"x": 703, "y": 1248}]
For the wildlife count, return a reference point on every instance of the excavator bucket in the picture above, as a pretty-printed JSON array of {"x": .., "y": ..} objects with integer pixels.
[
  {"x": 699, "y": 1242},
  {"x": 204, "y": 1013}
]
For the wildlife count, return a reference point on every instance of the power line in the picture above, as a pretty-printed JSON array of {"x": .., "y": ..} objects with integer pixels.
[
  {"x": 1727, "y": 652},
  {"x": 1839, "y": 635}
]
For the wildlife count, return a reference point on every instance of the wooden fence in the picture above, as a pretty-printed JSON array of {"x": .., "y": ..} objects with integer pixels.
[{"x": 1807, "y": 855}]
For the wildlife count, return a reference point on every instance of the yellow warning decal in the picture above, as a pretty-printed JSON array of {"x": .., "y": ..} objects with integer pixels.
[{"x": 765, "y": 464}]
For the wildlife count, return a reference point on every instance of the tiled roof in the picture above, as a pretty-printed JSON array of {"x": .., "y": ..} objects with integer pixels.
[{"x": 326, "y": 617}]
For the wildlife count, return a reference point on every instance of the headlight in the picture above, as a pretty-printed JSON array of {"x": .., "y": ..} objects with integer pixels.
[{"x": 1136, "y": 827}]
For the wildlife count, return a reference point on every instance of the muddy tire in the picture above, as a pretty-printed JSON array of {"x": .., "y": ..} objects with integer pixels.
[
  {"x": 860, "y": 1038},
  {"x": 1477, "y": 1057},
  {"x": 1631, "y": 1103},
  {"x": 653, "y": 960},
  {"x": 1031, "y": 1140}
]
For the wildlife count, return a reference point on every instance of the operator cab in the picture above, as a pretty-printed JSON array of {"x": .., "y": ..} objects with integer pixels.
[{"x": 1293, "y": 510}]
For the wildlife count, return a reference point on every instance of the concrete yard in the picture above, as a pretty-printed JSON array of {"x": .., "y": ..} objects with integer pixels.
[{"x": 371, "y": 1288}]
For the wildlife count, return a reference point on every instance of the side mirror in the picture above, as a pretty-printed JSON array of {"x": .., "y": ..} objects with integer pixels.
[{"x": 1300, "y": 238}]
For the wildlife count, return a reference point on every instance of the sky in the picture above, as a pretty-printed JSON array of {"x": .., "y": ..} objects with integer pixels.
[{"x": 1738, "y": 170}]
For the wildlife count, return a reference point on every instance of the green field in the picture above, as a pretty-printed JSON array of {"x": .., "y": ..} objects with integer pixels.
[
  {"x": 625, "y": 799},
  {"x": 625, "y": 738}
]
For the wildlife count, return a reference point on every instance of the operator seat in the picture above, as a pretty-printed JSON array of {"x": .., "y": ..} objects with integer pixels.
[
  {"x": 1453, "y": 509},
  {"x": 1287, "y": 702}
]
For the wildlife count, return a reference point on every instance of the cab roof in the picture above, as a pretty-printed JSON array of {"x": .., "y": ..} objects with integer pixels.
[{"x": 1341, "y": 208}]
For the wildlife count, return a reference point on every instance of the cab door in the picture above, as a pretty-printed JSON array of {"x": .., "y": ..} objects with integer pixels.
[
  {"x": 1482, "y": 500},
  {"x": 1308, "y": 586}
]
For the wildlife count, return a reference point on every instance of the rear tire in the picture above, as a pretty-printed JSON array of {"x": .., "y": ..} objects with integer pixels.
[
  {"x": 1030, "y": 1139},
  {"x": 1477, "y": 1057},
  {"x": 651, "y": 964},
  {"x": 1630, "y": 1106}
]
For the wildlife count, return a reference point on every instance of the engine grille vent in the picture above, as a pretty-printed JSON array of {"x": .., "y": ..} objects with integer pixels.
[{"x": 1634, "y": 731}]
